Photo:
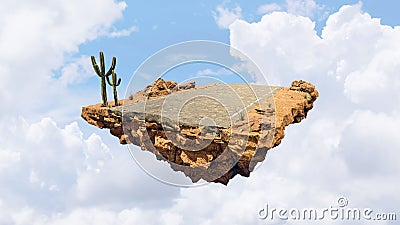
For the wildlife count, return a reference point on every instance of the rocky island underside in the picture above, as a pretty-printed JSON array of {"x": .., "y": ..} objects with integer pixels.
[{"x": 212, "y": 132}]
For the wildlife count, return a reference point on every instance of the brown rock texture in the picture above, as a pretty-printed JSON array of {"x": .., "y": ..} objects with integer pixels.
[
  {"x": 161, "y": 88},
  {"x": 222, "y": 152}
]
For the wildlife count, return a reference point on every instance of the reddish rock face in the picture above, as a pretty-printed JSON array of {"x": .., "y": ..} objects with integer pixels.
[
  {"x": 162, "y": 88},
  {"x": 263, "y": 130}
]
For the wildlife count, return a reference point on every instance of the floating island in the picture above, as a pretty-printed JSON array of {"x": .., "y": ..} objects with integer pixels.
[{"x": 211, "y": 132}]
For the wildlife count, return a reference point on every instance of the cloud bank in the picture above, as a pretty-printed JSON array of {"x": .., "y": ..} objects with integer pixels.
[
  {"x": 38, "y": 39},
  {"x": 225, "y": 16},
  {"x": 52, "y": 174}
]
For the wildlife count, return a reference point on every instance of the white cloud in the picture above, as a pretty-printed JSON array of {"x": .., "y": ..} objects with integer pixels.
[
  {"x": 85, "y": 216},
  {"x": 354, "y": 50},
  {"x": 52, "y": 175},
  {"x": 218, "y": 72},
  {"x": 225, "y": 17},
  {"x": 367, "y": 125},
  {"x": 123, "y": 32},
  {"x": 267, "y": 8},
  {"x": 275, "y": 44},
  {"x": 346, "y": 147},
  {"x": 77, "y": 71},
  {"x": 36, "y": 39},
  {"x": 307, "y": 8},
  {"x": 303, "y": 7},
  {"x": 48, "y": 158}
]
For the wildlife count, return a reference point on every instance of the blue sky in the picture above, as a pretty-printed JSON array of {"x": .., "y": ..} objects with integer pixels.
[
  {"x": 157, "y": 25},
  {"x": 57, "y": 169}
]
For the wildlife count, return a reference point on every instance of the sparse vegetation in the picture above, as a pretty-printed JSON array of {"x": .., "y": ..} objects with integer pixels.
[
  {"x": 115, "y": 83},
  {"x": 241, "y": 113},
  {"x": 101, "y": 72}
]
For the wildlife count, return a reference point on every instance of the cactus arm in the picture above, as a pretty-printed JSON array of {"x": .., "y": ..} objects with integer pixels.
[
  {"x": 103, "y": 66},
  {"x": 95, "y": 66},
  {"x": 108, "y": 81},
  {"x": 114, "y": 83},
  {"x": 113, "y": 63}
]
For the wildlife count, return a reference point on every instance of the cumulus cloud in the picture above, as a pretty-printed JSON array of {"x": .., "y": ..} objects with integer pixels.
[
  {"x": 345, "y": 147},
  {"x": 225, "y": 16},
  {"x": 52, "y": 174},
  {"x": 123, "y": 32},
  {"x": 307, "y": 8},
  {"x": 348, "y": 145},
  {"x": 218, "y": 72},
  {"x": 267, "y": 8},
  {"x": 303, "y": 7},
  {"x": 275, "y": 47},
  {"x": 364, "y": 133},
  {"x": 38, "y": 38},
  {"x": 332, "y": 152},
  {"x": 77, "y": 71}
]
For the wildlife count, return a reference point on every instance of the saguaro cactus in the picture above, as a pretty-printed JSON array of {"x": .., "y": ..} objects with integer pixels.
[
  {"x": 101, "y": 72},
  {"x": 114, "y": 84}
]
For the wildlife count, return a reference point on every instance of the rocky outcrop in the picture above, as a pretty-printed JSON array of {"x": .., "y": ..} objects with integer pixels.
[
  {"x": 161, "y": 88},
  {"x": 292, "y": 105},
  {"x": 225, "y": 151}
]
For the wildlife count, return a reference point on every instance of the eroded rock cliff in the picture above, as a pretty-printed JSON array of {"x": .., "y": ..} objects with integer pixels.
[{"x": 213, "y": 153}]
